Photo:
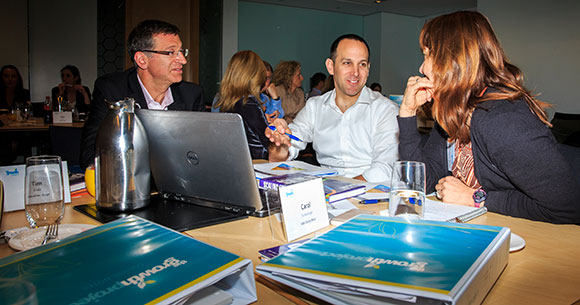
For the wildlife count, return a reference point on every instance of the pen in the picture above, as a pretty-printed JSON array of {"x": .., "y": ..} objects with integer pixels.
[
  {"x": 289, "y": 135},
  {"x": 471, "y": 215},
  {"x": 372, "y": 201}
]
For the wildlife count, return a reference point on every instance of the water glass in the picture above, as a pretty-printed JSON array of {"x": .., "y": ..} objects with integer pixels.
[
  {"x": 407, "y": 197},
  {"x": 43, "y": 191}
]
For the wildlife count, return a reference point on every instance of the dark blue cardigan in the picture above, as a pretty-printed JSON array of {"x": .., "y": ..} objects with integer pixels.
[{"x": 516, "y": 161}]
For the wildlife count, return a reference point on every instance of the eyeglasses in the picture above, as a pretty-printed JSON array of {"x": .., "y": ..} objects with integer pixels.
[{"x": 185, "y": 52}]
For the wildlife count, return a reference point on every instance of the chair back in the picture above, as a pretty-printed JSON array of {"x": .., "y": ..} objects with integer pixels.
[{"x": 66, "y": 143}]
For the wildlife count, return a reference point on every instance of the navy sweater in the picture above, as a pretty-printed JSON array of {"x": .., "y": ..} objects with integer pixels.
[{"x": 516, "y": 161}]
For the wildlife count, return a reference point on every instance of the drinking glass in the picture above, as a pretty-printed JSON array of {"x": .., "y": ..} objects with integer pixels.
[
  {"x": 43, "y": 191},
  {"x": 17, "y": 292},
  {"x": 26, "y": 112},
  {"x": 407, "y": 197}
]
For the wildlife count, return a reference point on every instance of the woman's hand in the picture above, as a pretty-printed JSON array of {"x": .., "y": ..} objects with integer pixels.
[
  {"x": 272, "y": 91},
  {"x": 80, "y": 88},
  {"x": 452, "y": 190},
  {"x": 419, "y": 91},
  {"x": 61, "y": 88}
]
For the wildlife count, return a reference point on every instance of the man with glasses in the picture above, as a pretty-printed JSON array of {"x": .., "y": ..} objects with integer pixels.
[{"x": 155, "y": 81}]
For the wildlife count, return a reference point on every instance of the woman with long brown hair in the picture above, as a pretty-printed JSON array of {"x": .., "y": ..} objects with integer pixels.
[{"x": 491, "y": 145}]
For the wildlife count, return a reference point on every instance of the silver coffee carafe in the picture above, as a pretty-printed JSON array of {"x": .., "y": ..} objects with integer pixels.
[{"x": 122, "y": 174}]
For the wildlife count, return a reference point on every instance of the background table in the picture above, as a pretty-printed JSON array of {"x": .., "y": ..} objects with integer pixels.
[
  {"x": 546, "y": 271},
  {"x": 33, "y": 138}
]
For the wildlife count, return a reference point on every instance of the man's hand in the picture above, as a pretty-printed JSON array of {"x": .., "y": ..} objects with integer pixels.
[
  {"x": 278, "y": 137},
  {"x": 278, "y": 150}
]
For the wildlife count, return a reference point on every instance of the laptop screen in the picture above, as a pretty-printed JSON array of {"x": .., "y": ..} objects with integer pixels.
[{"x": 201, "y": 157}]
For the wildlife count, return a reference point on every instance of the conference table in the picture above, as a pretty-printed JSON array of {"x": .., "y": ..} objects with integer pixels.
[
  {"x": 545, "y": 271},
  {"x": 31, "y": 125}
]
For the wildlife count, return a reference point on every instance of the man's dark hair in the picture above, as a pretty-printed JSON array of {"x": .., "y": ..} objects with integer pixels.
[
  {"x": 317, "y": 78},
  {"x": 141, "y": 37},
  {"x": 334, "y": 45}
]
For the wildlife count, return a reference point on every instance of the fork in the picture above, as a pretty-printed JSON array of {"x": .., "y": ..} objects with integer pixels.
[{"x": 51, "y": 233}]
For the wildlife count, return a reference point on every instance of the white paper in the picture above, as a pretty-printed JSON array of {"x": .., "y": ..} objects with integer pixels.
[
  {"x": 13, "y": 178},
  {"x": 338, "y": 207},
  {"x": 303, "y": 208},
  {"x": 289, "y": 167},
  {"x": 440, "y": 211},
  {"x": 61, "y": 117},
  {"x": 437, "y": 210}
]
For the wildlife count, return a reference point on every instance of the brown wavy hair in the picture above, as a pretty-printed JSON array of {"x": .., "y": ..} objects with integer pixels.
[
  {"x": 467, "y": 58},
  {"x": 284, "y": 73},
  {"x": 244, "y": 76}
]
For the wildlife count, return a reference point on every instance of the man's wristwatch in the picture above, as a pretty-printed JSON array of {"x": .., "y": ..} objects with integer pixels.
[{"x": 479, "y": 197}]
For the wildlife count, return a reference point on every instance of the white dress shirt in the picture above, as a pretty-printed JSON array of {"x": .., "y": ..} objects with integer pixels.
[
  {"x": 151, "y": 103},
  {"x": 363, "y": 140}
]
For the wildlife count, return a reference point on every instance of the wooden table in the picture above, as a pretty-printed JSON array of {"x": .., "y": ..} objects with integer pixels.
[
  {"x": 546, "y": 271},
  {"x": 32, "y": 125}
]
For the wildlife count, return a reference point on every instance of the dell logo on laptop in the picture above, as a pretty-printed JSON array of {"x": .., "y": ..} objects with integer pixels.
[{"x": 192, "y": 158}]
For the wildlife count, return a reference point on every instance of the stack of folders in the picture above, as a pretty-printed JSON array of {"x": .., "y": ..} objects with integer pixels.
[
  {"x": 132, "y": 261},
  {"x": 373, "y": 259},
  {"x": 334, "y": 189}
]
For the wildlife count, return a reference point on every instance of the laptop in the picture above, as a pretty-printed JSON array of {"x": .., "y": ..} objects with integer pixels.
[{"x": 203, "y": 158}]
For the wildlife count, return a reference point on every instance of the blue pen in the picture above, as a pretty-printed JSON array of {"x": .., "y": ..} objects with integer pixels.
[
  {"x": 372, "y": 201},
  {"x": 295, "y": 138}
]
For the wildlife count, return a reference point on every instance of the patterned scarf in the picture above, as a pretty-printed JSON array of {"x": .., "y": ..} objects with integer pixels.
[{"x": 463, "y": 165}]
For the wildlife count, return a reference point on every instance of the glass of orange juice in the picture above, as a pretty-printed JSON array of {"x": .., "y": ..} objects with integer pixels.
[{"x": 90, "y": 179}]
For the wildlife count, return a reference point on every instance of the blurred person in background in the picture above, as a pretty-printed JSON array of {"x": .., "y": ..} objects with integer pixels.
[
  {"x": 316, "y": 84},
  {"x": 376, "y": 87},
  {"x": 12, "y": 92},
  {"x": 272, "y": 103},
  {"x": 12, "y": 96},
  {"x": 288, "y": 80},
  {"x": 71, "y": 90}
]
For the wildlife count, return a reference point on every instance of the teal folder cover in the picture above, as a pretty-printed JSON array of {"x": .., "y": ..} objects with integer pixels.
[
  {"x": 430, "y": 259},
  {"x": 128, "y": 261}
]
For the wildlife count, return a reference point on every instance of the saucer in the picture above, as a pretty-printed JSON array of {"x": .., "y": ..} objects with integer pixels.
[
  {"x": 516, "y": 243},
  {"x": 31, "y": 238}
]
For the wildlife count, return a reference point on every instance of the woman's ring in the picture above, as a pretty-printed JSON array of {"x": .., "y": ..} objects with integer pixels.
[{"x": 438, "y": 195}]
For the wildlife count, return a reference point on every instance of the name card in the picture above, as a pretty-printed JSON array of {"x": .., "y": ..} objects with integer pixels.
[
  {"x": 61, "y": 117},
  {"x": 13, "y": 177},
  {"x": 303, "y": 208}
]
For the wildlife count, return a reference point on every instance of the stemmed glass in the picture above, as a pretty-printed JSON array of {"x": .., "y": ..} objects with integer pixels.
[{"x": 43, "y": 191}]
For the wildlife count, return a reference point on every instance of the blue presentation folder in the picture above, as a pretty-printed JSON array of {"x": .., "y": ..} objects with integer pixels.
[
  {"x": 377, "y": 259},
  {"x": 129, "y": 261}
]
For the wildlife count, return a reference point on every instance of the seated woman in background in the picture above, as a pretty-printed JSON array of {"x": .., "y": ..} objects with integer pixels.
[
  {"x": 272, "y": 103},
  {"x": 288, "y": 79},
  {"x": 243, "y": 80},
  {"x": 12, "y": 92},
  {"x": 71, "y": 89},
  {"x": 491, "y": 145}
]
